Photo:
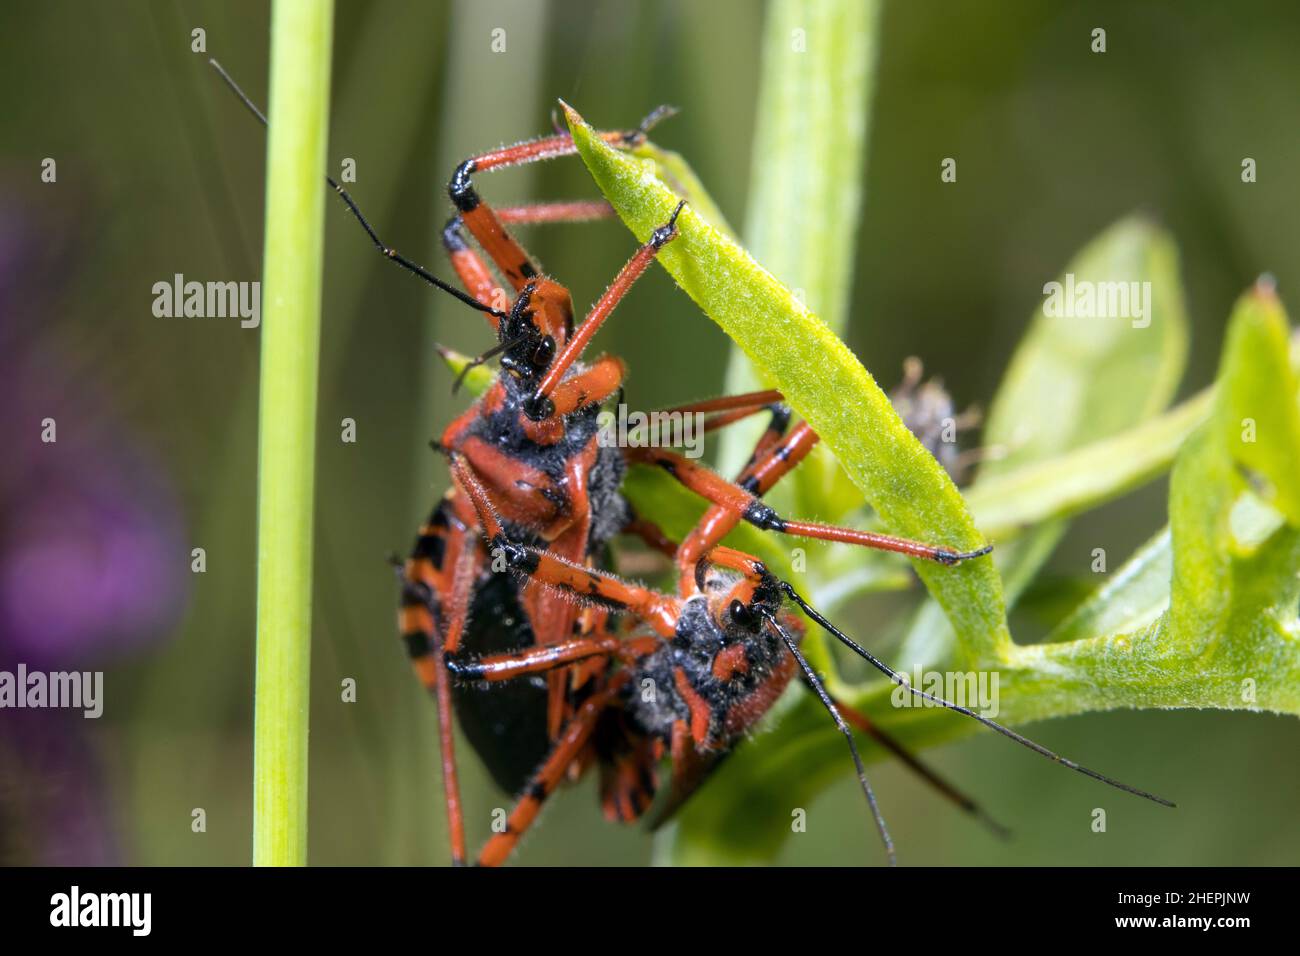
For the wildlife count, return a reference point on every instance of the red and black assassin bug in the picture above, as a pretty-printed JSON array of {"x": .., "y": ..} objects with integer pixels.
[
  {"x": 713, "y": 659},
  {"x": 533, "y": 490}
]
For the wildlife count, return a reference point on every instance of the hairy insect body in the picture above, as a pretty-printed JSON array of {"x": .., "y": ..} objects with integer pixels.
[
  {"x": 721, "y": 672},
  {"x": 567, "y": 481},
  {"x": 564, "y": 491}
]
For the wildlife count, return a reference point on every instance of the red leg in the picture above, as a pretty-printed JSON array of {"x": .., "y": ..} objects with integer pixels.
[
  {"x": 588, "y": 586},
  {"x": 638, "y": 264},
  {"x": 486, "y": 225},
  {"x": 715, "y": 422},
  {"x": 581, "y": 584},
  {"x": 652, "y": 535},
  {"x": 690, "y": 768},
  {"x": 766, "y": 445},
  {"x": 444, "y": 565},
  {"x": 539, "y": 660},
  {"x": 579, "y": 210},
  {"x": 568, "y": 748},
  {"x": 474, "y": 273},
  {"x": 598, "y": 382},
  {"x": 753, "y": 401},
  {"x": 731, "y": 409},
  {"x": 737, "y": 502}
]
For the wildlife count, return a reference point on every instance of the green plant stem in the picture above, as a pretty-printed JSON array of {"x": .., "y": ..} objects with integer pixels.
[
  {"x": 301, "y": 35},
  {"x": 810, "y": 143}
]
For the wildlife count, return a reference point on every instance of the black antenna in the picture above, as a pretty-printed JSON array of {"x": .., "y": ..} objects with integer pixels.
[
  {"x": 819, "y": 689},
  {"x": 386, "y": 250},
  {"x": 902, "y": 681},
  {"x": 476, "y": 362},
  {"x": 961, "y": 800}
]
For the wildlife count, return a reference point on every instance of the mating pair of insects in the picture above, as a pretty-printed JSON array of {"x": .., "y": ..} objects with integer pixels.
[{"x": 509, "y": 582}]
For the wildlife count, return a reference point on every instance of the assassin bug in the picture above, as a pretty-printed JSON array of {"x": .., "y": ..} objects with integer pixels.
[
  {"x": 715, "y": 658},
  {"x": 530, "y": 479}
]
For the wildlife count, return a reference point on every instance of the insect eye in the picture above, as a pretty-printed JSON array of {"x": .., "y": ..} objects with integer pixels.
[
  {"x": 743, "y": 616},
  {"x": 544, "y": 352}
]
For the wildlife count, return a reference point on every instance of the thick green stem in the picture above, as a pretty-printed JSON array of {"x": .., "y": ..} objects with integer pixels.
[
  {"x": 813, "y": 118},
  {"x": 301, "y": 35}
]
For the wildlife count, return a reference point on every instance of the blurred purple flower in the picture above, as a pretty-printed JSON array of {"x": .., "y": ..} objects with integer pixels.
[{"x": 92, "y": 554}]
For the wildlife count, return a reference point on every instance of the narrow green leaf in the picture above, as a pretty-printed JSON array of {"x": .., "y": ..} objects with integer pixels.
[
  {"x": 1231, "y": 639},
  {"x": 1078, "y": 378},
  {"x": 812, "y": 126},
  {"x": 1102, "y": 354},
  {"x": 1077, "y": 480},
  {"x": 822, "y": 380}
]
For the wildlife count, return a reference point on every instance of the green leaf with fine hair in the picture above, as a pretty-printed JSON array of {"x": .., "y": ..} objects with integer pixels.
[
  {"x": 1203, "y": 615},
  {"x": 821, "y": 379},
  {"x": 812, "y": 128},
  {"x": 1087, "y": 370},
  {"x": 1228, "y": 637},
  {"x": 1101, "y": 375}
]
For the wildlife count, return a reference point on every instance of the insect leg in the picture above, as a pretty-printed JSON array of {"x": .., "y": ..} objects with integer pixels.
[
  {"x": 435, "y": 606},
  {"x": 573, "y": 738},
  {"x": 635, "y": 266},
  {"x": 652, "y": 535},
  {"x": 742, "y": 502},
  {"x": 731, "y": 409},
  {"x": 578, "y": 210},
  {"x": 539, "y": 660},
  {"x": 598, "y": 382},
  {"x": 486, "y": 225},
  {"x": 470, "y": 268},
  {"x": 474, "y": 273}
]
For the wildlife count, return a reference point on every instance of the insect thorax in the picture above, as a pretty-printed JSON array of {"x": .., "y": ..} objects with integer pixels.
[{"x": 718, "y": 679}]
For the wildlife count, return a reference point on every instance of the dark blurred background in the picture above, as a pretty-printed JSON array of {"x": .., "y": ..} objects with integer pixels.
[{"x": 160, "y": 172}]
